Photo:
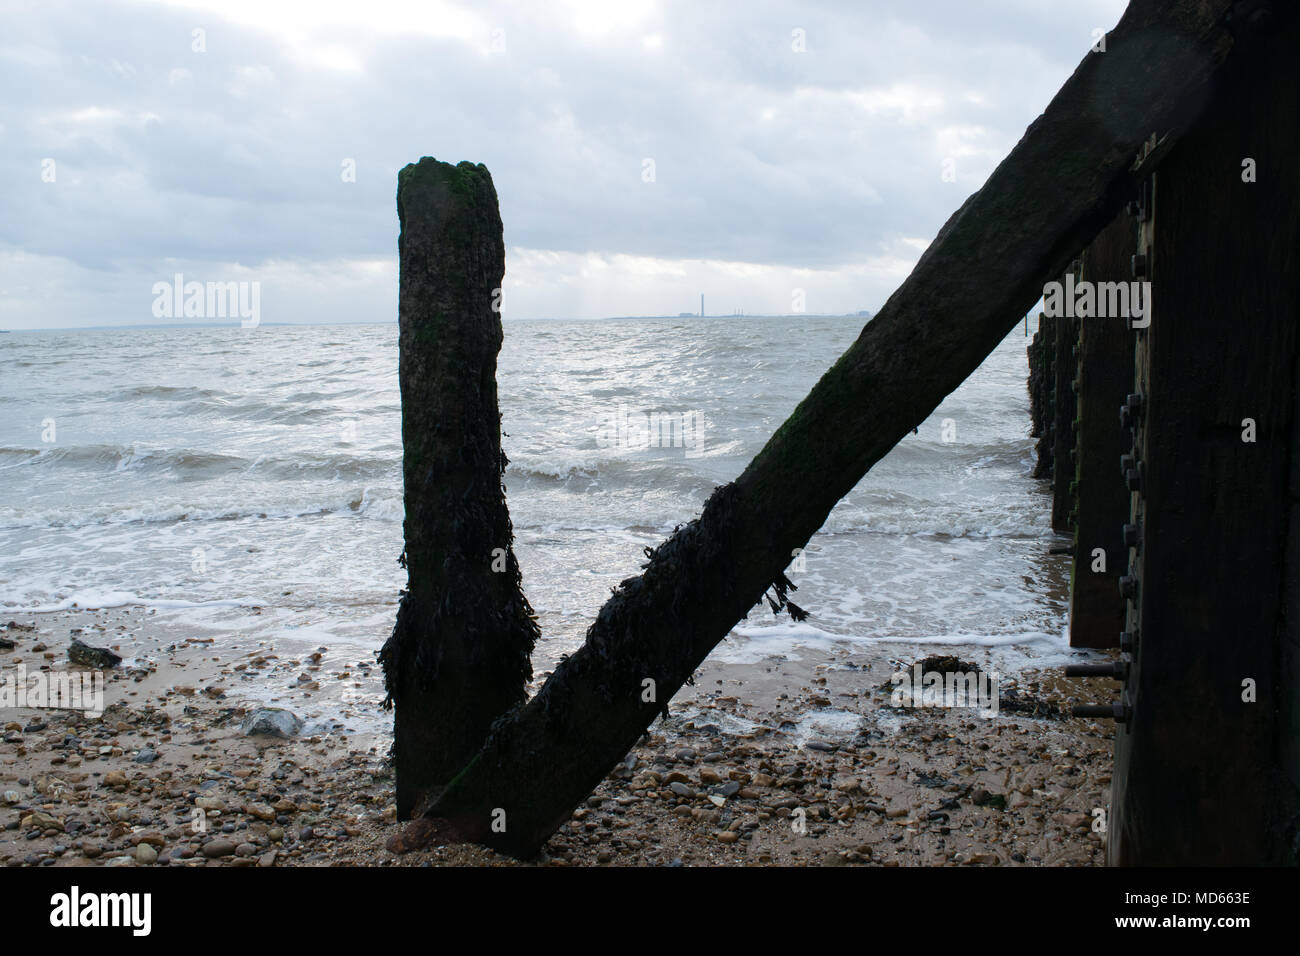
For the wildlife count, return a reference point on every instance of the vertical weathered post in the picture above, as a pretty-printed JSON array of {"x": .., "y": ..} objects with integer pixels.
[
  {"x": 1064, "y": 421},
  {"x": 1204, "y": 760},
  {"x": 1104, "y": 378},
  {"x": 458, "y": 657},
  {"x": 1042, "y": 393}
]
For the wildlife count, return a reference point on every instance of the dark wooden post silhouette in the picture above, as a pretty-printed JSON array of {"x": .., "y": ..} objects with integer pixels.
[
  {"x": 458, "y": 657},
  {"x": 1103, "y": 377},
  {"x": 1042, "y": 394}
]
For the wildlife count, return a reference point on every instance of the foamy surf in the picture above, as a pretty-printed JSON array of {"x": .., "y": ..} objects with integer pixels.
[{"x": 229, "y": 477}]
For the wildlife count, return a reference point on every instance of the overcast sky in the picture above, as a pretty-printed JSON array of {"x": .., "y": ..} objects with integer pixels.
[{"x": 643, "y": 152}]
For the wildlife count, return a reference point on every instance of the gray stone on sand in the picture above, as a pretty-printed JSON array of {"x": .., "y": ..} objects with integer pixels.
[{"x": 272, "y": 721}]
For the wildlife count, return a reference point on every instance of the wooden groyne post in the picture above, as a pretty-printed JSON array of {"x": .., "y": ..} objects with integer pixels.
[
  {"x": 1102, "y": 377},
  {"x": 458, "y": 657}
]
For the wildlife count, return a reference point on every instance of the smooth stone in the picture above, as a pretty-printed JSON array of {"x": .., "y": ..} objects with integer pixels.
[
  {"x": 219, "y": 848},
  {"x": 273, "y": 722}
]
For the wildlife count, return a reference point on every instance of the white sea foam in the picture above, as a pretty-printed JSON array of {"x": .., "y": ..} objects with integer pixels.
[{"x": 92, "y": 600}]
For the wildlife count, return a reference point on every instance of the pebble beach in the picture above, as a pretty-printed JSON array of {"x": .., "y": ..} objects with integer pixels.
[{"x": 767, "y": 759}]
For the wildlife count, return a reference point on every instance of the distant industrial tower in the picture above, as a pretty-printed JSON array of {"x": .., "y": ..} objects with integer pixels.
[{"x": 701, "y": 305}]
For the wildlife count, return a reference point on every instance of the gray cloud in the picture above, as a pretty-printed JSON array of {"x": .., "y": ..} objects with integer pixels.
[{"x": 821, "y": 159}]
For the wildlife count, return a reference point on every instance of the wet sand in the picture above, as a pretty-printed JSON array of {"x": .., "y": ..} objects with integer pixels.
[{"x": 786, "y": 759}]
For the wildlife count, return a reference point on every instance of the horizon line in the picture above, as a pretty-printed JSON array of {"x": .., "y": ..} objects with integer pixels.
[{"x": 544, "y": 318}]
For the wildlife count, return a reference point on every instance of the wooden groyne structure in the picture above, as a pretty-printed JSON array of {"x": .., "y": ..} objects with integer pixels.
[
  {"x": 1163, "y": 180},
  {"x": 1172, "y": 443}
]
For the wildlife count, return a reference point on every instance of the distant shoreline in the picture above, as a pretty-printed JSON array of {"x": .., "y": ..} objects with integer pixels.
[{"x": 607, "y": 318}]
